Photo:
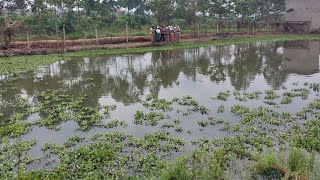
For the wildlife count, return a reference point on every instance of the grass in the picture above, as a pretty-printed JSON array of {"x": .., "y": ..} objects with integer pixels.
[
  {"x": 300, "y": 164},
  {"x": 30, "y": 63}
]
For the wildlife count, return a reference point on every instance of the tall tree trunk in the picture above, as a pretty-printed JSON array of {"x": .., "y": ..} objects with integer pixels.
[
  {"x": 78, "y": 14},
  {"x": 56, "y": 24},
  {"x": 129, "y": 16}
]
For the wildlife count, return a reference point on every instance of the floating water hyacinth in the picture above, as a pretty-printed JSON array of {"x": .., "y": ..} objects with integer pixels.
[{"x": 238, "y": 126}]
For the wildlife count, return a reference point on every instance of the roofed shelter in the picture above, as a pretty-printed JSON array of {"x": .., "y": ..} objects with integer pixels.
[{"x": 302, "y": 16}]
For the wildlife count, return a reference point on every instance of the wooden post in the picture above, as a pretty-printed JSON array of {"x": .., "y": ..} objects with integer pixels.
[
  {"x": 64, "y": 39},
  {"x": 198, "y": 30},
  {"x": 127, "y": 32},
  {"x": 253, "y": 28},
  {"x": 56, "y": 27},
  {"x": 97, "y": 41},
  {"x": 28, "y": 38},
  {"x": 217, "y": 27}
]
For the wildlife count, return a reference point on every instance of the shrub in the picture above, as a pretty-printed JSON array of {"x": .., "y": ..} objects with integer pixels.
[{"x": 75, "y": 35}]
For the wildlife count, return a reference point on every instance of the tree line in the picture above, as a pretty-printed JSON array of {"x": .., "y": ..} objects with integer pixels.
[{"x": 81, "y": 15}]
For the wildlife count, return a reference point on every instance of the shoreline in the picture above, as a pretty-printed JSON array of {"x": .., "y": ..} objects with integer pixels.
[{"x": 26, "y": 63}]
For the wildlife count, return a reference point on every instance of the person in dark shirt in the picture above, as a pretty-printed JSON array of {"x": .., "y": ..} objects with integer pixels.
[{"x": 163, "y": 32}]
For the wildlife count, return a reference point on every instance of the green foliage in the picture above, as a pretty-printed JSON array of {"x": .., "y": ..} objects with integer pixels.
[
  {"x": 266, "y": 166},
  {"x": 14, "y": 130},
  {"x": 300, "y": 161},
  {"x": 200, "y": 165},
  {"x": 299, "y": 165}
]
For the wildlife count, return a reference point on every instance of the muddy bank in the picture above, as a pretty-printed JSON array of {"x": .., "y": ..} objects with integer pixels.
[{"x": 56, "y": 47}]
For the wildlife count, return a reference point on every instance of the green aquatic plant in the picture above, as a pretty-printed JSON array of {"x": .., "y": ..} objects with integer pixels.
[
  {"x": 15, "y": 130},
  {"x": 176, "y": 121},
  {"x": 58, "y": 108},
  {"x": 315, "y": 87},
  {"x": 223, "y": 96},
  {"x": 272, "y": 103},
  {"x": 155, "y": 103},
  {"x": 308, "y": 137},
  {"x": 168, "y": 125},
  {"x": 213, "y": 121},
  {"x": 270, "y": 95},
  {"x": 187, "y": 101},
  {"x": 151, "y": 118},
  {"x": 115, "y": 123},
  {"x": 203, "y": 123},
  {"x": 286, "y": 100},
  {"x": 221, "y": 109},
  {"x": 179, "y": 129},
  {"x": 107, "y": 109}
]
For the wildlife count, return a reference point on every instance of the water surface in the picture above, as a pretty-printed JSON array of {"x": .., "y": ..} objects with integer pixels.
[{"x": 125, "y": 80}]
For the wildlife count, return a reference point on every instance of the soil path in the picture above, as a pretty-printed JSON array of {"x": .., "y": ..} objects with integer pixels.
[{"x": 55, "y": 47}]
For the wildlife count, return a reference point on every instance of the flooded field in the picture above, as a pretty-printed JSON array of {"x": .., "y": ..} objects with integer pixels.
[{"x": 136, "y": 112}]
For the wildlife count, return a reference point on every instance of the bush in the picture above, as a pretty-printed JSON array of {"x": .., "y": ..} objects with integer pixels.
[
  {"x": 75, "y": 35},
  {"x": 266, "y": 166},
  {"x": 90, "y": 36},
  {"x": 200, "y": 165},
  {"x": 140, "y": 33},
  {"x": 300, "y": 161},
  {"x": 299, "y": 165}
]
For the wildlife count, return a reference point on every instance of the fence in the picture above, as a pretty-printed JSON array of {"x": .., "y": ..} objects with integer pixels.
[{"x": 57, "y": 33}]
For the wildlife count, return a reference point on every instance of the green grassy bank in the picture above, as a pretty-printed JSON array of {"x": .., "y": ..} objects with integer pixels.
[{"x": 9, "y": 65}]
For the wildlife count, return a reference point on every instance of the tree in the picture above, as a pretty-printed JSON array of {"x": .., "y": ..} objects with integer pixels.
[
  {"x": 21, "y": 5},
  {"x": 187, "y": 9},
  {"x": 247, "y": 10},
  {"x": 219, "y": 9},
  {"x": 130, "y": 5},
  {"x": 89, "y": 7},
  {"x": 9, "y": 28},
  {"x": 162, "y": 9}
]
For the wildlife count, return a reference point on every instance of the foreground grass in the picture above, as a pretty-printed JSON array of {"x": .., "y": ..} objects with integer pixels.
[{"x": 11, "y": 65}]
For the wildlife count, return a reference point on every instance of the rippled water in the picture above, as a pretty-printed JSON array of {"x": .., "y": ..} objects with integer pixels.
[{"x": 199, "y": 72}]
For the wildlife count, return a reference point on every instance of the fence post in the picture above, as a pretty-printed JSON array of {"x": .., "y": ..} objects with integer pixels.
[
  {"x": 64, "y": 39},
  {"x": 97, "y": 41},
  {"x": 198, "y": 30},
  {"x": 28, "y": 41},
  {"x": 217, "y": 27},
  {"x": 127, "y": 32},
  {"x": 57, "y": 31}
]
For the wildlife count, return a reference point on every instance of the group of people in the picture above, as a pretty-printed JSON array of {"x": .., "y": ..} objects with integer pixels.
[{"x": 163, "y": 33}]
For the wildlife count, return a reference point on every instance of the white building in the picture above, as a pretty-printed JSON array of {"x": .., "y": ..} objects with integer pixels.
[{"x": 302, "y": 15}]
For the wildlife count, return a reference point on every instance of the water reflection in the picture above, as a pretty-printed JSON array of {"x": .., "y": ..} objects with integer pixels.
[
  {"x": 301, "y": 57},
  {"x": 126, "y": 78}
]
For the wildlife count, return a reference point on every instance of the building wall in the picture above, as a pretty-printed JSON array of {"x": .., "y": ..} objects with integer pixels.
[
  {"x": 303, "y": 11},
  {"x": 316, "y": 16},
  {"x": 298, "y": 10}
]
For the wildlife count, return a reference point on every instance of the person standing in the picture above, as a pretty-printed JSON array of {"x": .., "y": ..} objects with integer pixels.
[
  {"x": 163, "y": 32},
  {"x": 171, "y": 33},
  {"x": 167, "y": 36},
  {"x": 174, "y": 33},
  {"x": 152, "y": 34},
  {"x": 178, "y": 33},
  {"x": 158, "y": 34}
]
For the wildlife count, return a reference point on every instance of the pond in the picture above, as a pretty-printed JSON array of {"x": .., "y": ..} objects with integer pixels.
[{"x": 197, "y": 95}]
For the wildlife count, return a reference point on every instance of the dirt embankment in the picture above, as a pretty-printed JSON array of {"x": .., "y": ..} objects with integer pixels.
[{"x": 55, "y": 47}]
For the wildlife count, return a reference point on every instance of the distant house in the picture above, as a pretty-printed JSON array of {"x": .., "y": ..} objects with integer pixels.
[{"x": 302, "y": 16}]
